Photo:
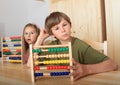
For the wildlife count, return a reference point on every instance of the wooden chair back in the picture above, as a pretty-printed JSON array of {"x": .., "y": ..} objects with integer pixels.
[{"x": 100, "y": 46}]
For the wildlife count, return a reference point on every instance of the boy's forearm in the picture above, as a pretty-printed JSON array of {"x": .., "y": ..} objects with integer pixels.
[
  {"x": 105, "y": 66},
  {"x": 39, "y": 41}
]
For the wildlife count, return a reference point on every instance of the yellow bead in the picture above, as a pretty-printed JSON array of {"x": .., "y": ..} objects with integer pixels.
[{"x": 36, "y": 63}]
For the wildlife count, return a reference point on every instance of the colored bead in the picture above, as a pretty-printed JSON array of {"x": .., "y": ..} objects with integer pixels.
[
  {"x": 60, "y": 49},
  {"x": 38, "y": 74},
  {"x": 54, "y": 49},
  {"x": 36, "y": 63},
  {"x": 57, "y": 49}
]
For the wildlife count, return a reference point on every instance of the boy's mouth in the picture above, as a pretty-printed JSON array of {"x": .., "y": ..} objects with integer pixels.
[{"x": 65, "y": 34}]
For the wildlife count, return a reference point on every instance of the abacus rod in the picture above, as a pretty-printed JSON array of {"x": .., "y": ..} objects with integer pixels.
[
  {"x": 18, "y": 42},
  {"x": 12, "y": 48},
  {"x": 13, "y": 60},
  {"x": 53, "y": 62},
  {"x": 49, "y": 46},
  {"x": 52, "y": 67},
  {"x": 12, "y": 55},
  {"x": 54, "y": 74},
  {"x": 53, "y": 56},
  {"x": 48, "y": 75}
]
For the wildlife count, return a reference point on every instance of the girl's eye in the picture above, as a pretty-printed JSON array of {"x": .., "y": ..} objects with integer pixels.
[
  {"x": 31, "y": 33},
  {"x": 26, "y": 33}
]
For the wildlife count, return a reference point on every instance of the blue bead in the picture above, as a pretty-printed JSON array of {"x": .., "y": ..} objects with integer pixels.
[{"x": 38, "y": 74}]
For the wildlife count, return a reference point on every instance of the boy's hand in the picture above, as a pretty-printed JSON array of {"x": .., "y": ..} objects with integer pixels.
[
  {"x": 43, "y": 34},
  {"x": 79, "y": 70}
]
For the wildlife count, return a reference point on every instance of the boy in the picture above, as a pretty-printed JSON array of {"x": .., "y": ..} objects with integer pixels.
[{"x": 86, "y": 60}]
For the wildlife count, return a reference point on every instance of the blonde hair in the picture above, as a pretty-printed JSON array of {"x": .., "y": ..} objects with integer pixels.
[{"x": 25, "y": 44}]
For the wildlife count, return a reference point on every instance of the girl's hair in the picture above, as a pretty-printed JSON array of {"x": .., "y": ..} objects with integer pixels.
[
  {"x": 25, "y": 44},
  {"x": 55, "y": 18}
]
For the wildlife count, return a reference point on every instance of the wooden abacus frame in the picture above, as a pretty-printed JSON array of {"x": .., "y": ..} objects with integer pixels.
[
  {"x": 32, "y": 57},
  {"x": 14, "y": 42}
]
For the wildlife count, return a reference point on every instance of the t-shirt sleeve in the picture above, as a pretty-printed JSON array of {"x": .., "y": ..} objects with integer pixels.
[{"x": 93, "y": 56}]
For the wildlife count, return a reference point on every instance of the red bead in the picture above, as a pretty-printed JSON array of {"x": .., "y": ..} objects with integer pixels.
[{"x": 36, "y": 68}]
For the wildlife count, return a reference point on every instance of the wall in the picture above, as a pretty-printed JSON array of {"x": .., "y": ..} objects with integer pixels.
[
  {"x": 37, "y": 11},
  {"x": 14, "y": 14}
]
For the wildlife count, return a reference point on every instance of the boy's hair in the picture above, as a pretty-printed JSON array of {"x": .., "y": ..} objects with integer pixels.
[{"x": 55, "y": 18}]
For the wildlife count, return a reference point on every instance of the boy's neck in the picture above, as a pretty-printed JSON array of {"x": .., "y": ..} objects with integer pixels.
[{"x": 66, "y": 41}]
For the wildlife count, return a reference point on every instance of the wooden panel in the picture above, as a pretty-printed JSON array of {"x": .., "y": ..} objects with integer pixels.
[
  {"x": 85, "y": 15},
  {"x": 113, "y": 28}
]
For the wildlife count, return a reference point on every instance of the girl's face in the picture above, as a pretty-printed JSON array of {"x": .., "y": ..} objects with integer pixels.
[
  {"x": 62, "y": 31},
  {"x": 30, "y": 35}
]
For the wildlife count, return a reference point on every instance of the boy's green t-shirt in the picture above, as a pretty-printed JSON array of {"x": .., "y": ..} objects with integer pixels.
[{"x": 84, "y": 53}]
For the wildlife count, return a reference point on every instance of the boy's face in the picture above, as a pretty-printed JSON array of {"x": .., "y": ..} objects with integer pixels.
[
  {"x": 62, "y": 30},
  {"x": 30, "y": 35}
]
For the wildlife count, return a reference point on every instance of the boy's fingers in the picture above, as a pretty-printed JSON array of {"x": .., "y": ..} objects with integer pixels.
[{"x": 74, "y": 62}]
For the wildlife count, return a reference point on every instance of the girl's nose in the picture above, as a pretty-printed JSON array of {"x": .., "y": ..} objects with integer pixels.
[{"x": 29, "y": 34}]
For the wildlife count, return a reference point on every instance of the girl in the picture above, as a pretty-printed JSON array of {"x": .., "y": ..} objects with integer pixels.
[{"x": 31, "y": 35}]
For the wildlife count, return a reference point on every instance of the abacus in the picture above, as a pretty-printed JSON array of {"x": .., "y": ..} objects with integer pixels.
[
  {"x": 11, "y": 49},
  {"x": 50, "y": 61}
]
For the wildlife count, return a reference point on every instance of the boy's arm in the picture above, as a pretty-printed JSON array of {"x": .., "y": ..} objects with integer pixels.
[
  {"x": 43, "y": 35},
  {"x": 81, "y": 70}
]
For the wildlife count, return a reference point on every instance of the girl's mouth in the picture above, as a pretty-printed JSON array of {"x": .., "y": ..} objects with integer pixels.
[{"x": 28, "y": 39}]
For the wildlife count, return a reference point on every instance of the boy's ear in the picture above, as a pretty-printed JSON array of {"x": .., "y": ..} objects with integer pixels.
[{"x": 53, "y": 37}]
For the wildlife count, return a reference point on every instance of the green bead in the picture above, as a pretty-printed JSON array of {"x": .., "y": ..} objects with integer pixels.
[
  {"x": 33, "y": 50},
  {"x": 61, "y": 49},
  {"x": 66, "y": 48},
  {"x": 54, "y": 49},
  {"x": 19, "y": 53},
  {"x": 58, "y": 49},
  {"x": 48, "y": 49},
  {"x": 40, "y": 50},
  {"x": 37, "y": 50},
  {"x": 7, "y": 53}
]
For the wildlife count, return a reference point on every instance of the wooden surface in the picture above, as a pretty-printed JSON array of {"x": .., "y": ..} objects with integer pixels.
[
  {"x": 112, "y": 8},
  {"x": 17, "y": 74}
]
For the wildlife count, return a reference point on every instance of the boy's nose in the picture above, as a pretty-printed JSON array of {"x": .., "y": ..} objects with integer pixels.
[{"x": 62, "y": 29}]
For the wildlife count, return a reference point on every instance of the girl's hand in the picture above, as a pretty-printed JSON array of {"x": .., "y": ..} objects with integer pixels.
[{"x": 79, "y": 70}]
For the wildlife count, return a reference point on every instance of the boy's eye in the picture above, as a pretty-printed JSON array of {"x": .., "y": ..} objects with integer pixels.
[
  {"x": 64, "y": 24},
  {"x": 56, "y": 28}
]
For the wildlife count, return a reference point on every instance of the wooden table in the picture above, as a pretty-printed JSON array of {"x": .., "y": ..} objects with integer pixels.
[{"x": 17, "y": 74}]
